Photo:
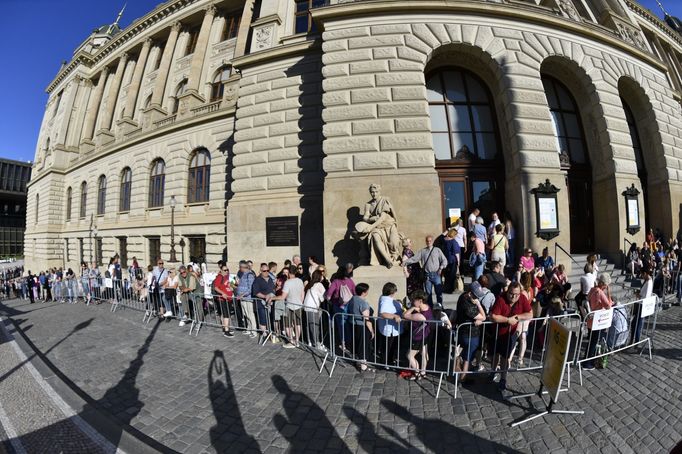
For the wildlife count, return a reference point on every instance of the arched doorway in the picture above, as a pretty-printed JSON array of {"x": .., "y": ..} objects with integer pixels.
[
  {"x": 466, "y": 143},
  {"x": 575, "y": 161},
  {"x": 639, "y": 159}
]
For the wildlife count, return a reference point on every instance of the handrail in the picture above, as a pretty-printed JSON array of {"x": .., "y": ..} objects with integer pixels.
[{"x": 557, "y": 245}]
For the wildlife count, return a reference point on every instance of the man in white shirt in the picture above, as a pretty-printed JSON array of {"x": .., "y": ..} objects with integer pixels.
[
  {"x": 472, "y": 219},
  {"x": 293, "y": 292},
  {"x": 492, "y": 225},
  {"x": 461, "y": 239}
]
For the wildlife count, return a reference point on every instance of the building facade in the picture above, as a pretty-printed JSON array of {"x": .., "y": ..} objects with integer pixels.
[
  {"x": 14, "y": 176},
  {"x": 295, "y": 107}
]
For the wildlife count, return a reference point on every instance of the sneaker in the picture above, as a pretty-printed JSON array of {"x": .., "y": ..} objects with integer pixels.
[
  {"x": 168, "y": 314},
  {"x": 502, "y": 385},
  {"x": 274, "y": 339},
  {"x": 497, "y": 377},
  {"x": 288, "y": 345},
  {"x": 228, "y": 334},
  {"x": 252, "y": 335},
  {"x": 322, "y": 347},
  {"x": 182, "y": 323},
  {"x": 587, "y": 366},
  {"x": 246, "y": 333}
]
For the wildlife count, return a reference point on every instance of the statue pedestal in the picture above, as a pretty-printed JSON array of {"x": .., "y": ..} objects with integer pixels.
[{"x": 376, "y": 276}]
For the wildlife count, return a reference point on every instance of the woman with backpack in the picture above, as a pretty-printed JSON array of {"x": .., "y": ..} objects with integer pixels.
[{"x": 341, "y": 290}]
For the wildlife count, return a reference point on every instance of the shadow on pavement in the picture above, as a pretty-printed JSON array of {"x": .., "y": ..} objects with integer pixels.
[
  {"x": 440, "y": 436},
  {"x": 229, "y": 434},
  {"x": 301, "y": 409},
  {"x": 368, "y": 438}
]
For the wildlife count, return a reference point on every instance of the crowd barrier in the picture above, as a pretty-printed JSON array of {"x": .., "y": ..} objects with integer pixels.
[
  {"x": 606, "y": 332},
  {"x": 361, "y": 340}
]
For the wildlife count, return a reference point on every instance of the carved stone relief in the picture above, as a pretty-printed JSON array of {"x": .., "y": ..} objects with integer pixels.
[
  {"x": 569, "y": 10},
  {"x": 264, "y": 36}
]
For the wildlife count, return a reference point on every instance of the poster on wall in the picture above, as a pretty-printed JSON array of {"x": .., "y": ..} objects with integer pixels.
[
  {"x": 454, "y": 214},
  {"x": 633, "y": 213},
  {"x": 547, "y": 208}
]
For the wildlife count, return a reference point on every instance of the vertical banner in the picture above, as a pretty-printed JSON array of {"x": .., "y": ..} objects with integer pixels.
[
  {"x": 558, "y": 343},
  {"x": 648, "y": 306}
]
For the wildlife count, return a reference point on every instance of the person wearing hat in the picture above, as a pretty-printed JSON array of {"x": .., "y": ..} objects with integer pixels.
[{"x": 482, "y": 293}]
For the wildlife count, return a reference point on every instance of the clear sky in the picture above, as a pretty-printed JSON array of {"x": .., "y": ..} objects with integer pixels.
[{"x": 39, "y": 34}]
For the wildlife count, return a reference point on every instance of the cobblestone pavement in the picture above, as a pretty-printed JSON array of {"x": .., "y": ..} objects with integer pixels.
[{"x": 211, "y": 394}]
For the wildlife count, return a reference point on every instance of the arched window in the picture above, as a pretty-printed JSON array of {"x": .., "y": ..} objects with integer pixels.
[
  {"x": 157, "y": 181},
  {"x": 126, "y": 183},
  {"x": 84, "y": 198},
  {"x": 636, "y": 143},
  {"x": 570, "y": 140},
  {"x": 101, "y": 194},
  {"x": 218, "y": 85},
  {"x": 462, "y": 116},
  {"x": 178, "y": 92},
  {"x": 199, "y": 176},
  {"x": 68, "y": 203}
]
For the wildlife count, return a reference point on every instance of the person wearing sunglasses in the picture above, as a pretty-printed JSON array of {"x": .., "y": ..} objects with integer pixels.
[{"x": 509, "y": 309}]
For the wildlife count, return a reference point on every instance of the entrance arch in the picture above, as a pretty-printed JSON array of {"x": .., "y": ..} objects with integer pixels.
[
  {"x": 575, "y": 161},
  {"x": 467, "y": 126}
]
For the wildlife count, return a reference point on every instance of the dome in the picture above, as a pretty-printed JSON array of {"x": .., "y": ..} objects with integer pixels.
[{"x": 674, "y": 23}]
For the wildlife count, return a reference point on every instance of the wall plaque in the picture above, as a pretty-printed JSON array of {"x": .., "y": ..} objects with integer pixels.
[{"x": 281, "y": 231}]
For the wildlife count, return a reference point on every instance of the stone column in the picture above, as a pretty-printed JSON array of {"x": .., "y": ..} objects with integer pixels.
[
  {"x": 244, "y": 27},
  {"x": 93, "y": 106},
  {"x": 134, "y": 87},
  {"x": 113, "y": 94},
  {"x": 68, "y": 110},
  {"x": 164, "y": 67},
  {"x": 194, "y": 79}
]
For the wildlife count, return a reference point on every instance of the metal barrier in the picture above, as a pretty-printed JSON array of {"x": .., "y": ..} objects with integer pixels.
[
  {"x": 617, "y": 329},
  {"x": 485, "y": 344},
  {"x": 431, "y": 340}
]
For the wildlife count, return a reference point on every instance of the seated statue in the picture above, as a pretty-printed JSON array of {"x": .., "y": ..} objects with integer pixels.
[{"x": 378, "y": 229}]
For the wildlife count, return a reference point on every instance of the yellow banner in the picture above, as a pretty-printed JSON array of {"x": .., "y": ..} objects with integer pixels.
[{"x": 558, "y": 343}]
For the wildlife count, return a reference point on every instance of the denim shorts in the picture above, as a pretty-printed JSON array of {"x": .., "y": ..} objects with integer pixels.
[{"x": 469, "y": 347}]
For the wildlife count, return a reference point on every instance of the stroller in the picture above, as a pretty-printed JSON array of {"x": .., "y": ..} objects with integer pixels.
[{"x": 619, "y": 332}]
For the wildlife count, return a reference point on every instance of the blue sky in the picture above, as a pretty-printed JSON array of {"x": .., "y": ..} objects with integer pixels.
[{"x": 39, "y": 34}]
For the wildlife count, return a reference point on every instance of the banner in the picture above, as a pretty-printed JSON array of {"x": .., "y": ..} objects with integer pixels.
[
  {"x": 602, "y": 319},
  {"x": 108, "y": 283},
  {"x": 558, "y": 342},
  {"x": 648, "y": 306}
]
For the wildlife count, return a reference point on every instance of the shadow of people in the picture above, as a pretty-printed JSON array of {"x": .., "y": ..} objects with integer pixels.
[
  {"x": 368, "y": 438},
  {"x": 228, "y": 434},
  {"x": 440, "y": 436},
  {"x": 300, "y": 410}
]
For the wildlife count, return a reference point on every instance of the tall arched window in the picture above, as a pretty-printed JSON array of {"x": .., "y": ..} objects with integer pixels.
[
  {"x": 462, "y": 116},
  {"x": 636, "y": 143},
  {"x": 570, "y": 140},
  {"x": 84, "y": 199},
  {"x": 157, "y": 181},
  {"x": 68, "y": 203},
  {"x": 218, "y": 85},
  {"x": 101, "y": 194},
  {"x": 126, "y": 183},
  {"x": 199, "y": 176},
  {"x": 178, "y": 93}
]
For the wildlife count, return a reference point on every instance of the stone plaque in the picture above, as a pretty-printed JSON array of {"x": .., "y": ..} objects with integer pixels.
[{"x": 281, "y": 231}]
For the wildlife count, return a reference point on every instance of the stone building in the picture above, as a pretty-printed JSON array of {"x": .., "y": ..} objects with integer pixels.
[
  {"x": 14, "y": 176},
  {"x": 299, "y": 106}
]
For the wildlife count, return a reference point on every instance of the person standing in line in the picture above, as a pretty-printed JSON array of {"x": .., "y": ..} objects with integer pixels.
[
  {"x": 480, "y": 230},
  {"x": 224, "y": 298},
  {"x": 314, "y": 297},
  {"x": 510, "y": 231},
  {"x": 340, "y": 292},
  {"x": 389, "y": 324},
  {"x": 471, "y": 222},
  {"x": 243, "y": 291},
  {"x": 493, "y": 223},
  {"x": 599, "y": 298},
  {"x": 461, "y": 238},
  {"x": 498, "y": 245},
  {"x": 412, "y": 272},
  {"x": 363, "y": 329},
  {"x": 477, "y": 257},
  {"x": 636, "y": 323},
  {"x": 452, "y": 251},
  {"x": 293, "y": 293},
  {"x": 433, "y": 262}
]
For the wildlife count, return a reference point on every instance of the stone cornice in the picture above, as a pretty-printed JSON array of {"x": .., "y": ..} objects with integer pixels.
[
  {"x": 120, "y": 145},
  {"x": 654, "y": 20},
  {"x": 158, "y": 14},
  {"x": 275, "y": 53},
  {"x": 529, "y": 14}
]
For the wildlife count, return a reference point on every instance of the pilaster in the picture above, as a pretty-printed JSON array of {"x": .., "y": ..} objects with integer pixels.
[
  {"x": 93, "y": 107},
  {"x": 113, "y": 94},
  {"x": 193, "y": 81}
]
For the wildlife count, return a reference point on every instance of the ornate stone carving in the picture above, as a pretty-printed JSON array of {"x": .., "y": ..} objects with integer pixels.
[
  {"x": 631, "y": 36},
  {"x": 378, "y": 230},
  {"x": 568, "y": 9},
  {"x": 211, "y": 10},
  {"x": 176, "y": 27},
  {"x": 230, "y": 93},
  {"x": 564, "y": 159},
  {"x": 264, "y": 37}
]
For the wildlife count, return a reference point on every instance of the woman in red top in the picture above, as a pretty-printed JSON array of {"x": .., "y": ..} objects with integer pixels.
[
  {"x": 222, "y": 287},
  {"x": 599, "y": 298}
]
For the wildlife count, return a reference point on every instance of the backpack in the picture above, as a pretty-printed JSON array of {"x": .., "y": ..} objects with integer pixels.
[
  {"x": 345, "y": 294},
  {"x": 619, "y": 332}
]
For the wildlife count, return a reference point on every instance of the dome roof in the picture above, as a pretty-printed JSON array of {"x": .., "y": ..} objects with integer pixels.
[{"x": 674, "y": 23}]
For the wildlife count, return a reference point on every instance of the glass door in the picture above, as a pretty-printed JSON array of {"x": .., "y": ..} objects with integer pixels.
[
  {"x": 454, "y": 202},
  {"x": 462, "y": 194}
]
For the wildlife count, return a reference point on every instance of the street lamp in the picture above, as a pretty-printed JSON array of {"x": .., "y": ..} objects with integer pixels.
[
  {"x": 173, "y": 259},
  {"x": 94, "y": 234},
  {"x": 182, "y": 248}
]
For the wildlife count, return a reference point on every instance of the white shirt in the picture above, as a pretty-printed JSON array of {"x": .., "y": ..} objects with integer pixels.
[
  {"x": 472, "y": 221},
  {"x": 461, "y": 236},
  {"x": 491, "y": 227},
  {"x": 314, "y": 297},
  {"x": 587, "y": 281},
  {"x": 388, "y": 327},
  {"x": 294, "y": 289}
]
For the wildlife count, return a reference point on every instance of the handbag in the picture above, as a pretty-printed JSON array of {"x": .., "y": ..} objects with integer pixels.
[
  {"x": 422, "y": 271},
  {"x": 475, "y": 259}
]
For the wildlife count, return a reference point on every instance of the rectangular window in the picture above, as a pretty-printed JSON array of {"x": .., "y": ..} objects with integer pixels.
[
  {"x": 81, "y": 250},
  {"x": 197, "y": 249},
  {"x": 231, "y": 26},
  {"x": 98, "y": 251},
  {"x": 192, "y": 37},
  {"x": 154, "y": 249},
  {"x": 123, "y": 250},
  {"x": 304, "y": 20}
]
